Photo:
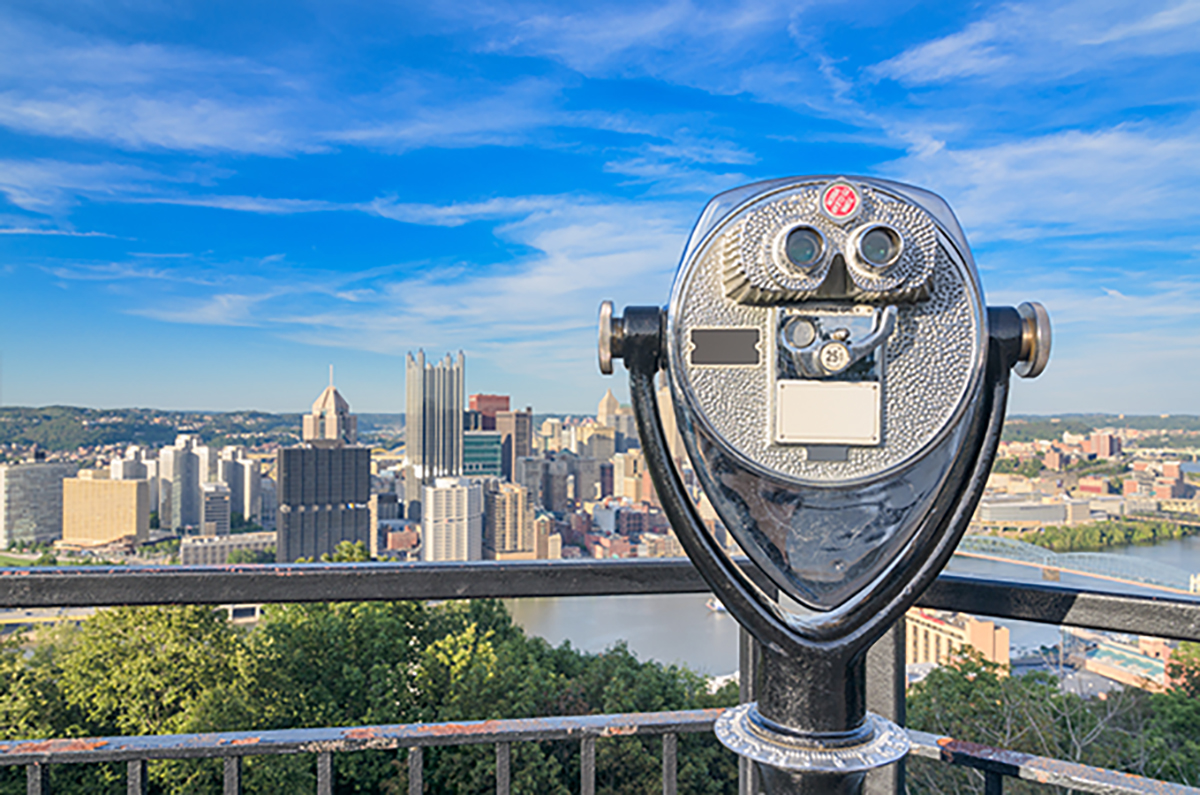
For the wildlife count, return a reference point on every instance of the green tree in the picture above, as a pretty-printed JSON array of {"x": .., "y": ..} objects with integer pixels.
[
  {"x": 348, "y": 552},
  {"x": 251, "y": 556}
]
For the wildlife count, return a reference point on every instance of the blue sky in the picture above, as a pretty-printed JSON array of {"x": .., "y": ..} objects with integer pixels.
[{"x": 204, "y": 205}]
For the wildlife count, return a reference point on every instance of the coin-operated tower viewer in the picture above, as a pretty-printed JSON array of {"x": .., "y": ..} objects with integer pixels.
[{"x": 840, "y": 386}]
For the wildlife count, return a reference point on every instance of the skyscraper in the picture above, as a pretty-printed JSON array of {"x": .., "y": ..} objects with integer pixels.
[
  {"x": 180, "y": 476},
  {"x": 324, "y": 485},
  {"x": 487, "y": 406},
  {"x": 483, "y": 454},
  {"x": 434, "y": 422},
  {"x": 330, "y": 424},
  {"x": 452, "y": 520},
  {"x": 516, "y": 430},
  {"x": 31, "y": 501},
  {"x": 509, "y": 522}
]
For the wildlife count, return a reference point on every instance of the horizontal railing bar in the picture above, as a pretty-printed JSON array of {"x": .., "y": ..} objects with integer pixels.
[
  {"x": 360, "y": 738},
  {"x": 1168, "y": 616},
  {"x": 340, "y": 740},
  {"x": 1039, "y": 769},
  {"x": 84, "y": 586}
]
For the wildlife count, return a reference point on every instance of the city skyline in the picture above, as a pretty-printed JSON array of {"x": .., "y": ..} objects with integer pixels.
[{"x": 203, "y": 207}]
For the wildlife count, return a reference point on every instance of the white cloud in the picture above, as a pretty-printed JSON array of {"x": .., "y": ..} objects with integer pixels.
[
  {"x": 50, "y": 186},
  {"x": 1043, "y": 42},
  {"x": 1128, "y": 177}
]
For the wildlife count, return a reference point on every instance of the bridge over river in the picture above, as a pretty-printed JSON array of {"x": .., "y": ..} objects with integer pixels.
[{"x": 1107, "y": 566}]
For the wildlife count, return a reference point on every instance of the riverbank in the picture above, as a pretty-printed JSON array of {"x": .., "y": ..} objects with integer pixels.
[{"x": 1100, "y": 536}]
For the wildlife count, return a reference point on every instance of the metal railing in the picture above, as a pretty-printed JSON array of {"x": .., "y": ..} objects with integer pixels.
[
  {"x": 233, "y": 746},
  {"x": 1164, "y": 616}
]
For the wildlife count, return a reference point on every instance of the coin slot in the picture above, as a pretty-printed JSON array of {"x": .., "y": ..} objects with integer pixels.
[{"x": 725, "y": 346}]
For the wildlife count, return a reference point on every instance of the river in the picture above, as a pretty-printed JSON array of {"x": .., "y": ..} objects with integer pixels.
[{"x": 680, "y": 629}]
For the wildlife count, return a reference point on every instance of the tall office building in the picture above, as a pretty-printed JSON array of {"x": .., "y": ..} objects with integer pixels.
[
  {"x": 555, "y": 479},
  {"x": 516, "y": 430},
  {"x": 323, "y": 488},
  {"x": 330, "y": 423},
  {"x": 509, "y": 523},
  {"x": 433, "y": 430},
  {"x": 487, "y": 406},
  {"x": 214, "y": 509},
  {"x": 530, "y": 472},
  {"x": 606, "y": 412},
  {"x": 138, "y": 465},
  {"x": 452, "y": 520},
  {"x": 100, "y": 510},
  {"x": 243, "y": 476},
  {"x": 31, "y": 502},
  {"x": 483, "y": 454},
  {"x": 323, "y": 500},
  {"x": 180, "y": 476}
]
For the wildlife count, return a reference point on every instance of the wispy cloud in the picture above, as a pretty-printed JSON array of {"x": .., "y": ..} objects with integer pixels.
[
  {"x": 18, "y": 230},
  {"x": 1044, "y": 42},
  {"x": 1130, "y": 177}
]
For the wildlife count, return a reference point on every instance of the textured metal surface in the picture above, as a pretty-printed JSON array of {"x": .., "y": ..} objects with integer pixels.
[
  {"x": 37, "y": 779},
  {"x": 1040, "y": 769},
  {"x": 935, "y": 361},
  {"x": 587, "y": 766},
  {"x": 340, "y": 740},
  {"x": 416, "y": 771},
  {"x": 325, "y": 773},
  {"x": 137, "y": 781},
  {"x": 503, "y": 768},
  {"x": 233, "y": 745},
  {"x": 738, "y": 732},
  {"x": 1175, "y": 617},
  {"x": 84, "y": 586},
  {"x": 232, "y": 779},
  {"x": 339, "y": 582},
  {"x": 670, "y": 763},
  {"x": 885, "y": 697}
]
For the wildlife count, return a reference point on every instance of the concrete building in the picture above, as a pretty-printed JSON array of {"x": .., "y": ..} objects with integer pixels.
[
  {"x": 434, "y": 423},
  {"x": 452, "y": 520},
  {"x": 530, "y": 472},
  {"x": 214, "y": 509},
  {"x": 97, "y": 510},
  {"x": 552, "y": 434},
  {"x": 138, "y": 464},
  {"x": 938, "y": 637},
  {"x": 601, "y": 443},
  {"x": 1029, "y": 513},
  {"x": 330, "y": 423},
  {"x": 606, "y": 412},
  {"x": 243, "y": 476},
  {"x": 180, "y": 476},
  {"x": 508, "y": 521},
  {"x": 324, "y": 486},
  {"x": 385, "y": 508},
  {"x": 323, "y": 496},
  {"x": 586, "y": 473},
  {"x": 483, "y": 454},
  {"x": 555, "y": 482},
  {"x": 31, "y": 507},
  {"x": 487, "y": 406},
  {"x": 516, "y": 429},
  {"x": 269, "y": 495},
  {"x": 215, "y": 550}
]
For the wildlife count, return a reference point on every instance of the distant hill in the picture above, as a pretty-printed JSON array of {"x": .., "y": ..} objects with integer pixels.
[
  {"x": 69, "y": 427},
  {"x": 1027, "y": 427}
]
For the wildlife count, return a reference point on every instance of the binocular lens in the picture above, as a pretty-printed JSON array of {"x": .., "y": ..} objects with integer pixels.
[
  {"x": 804, "y": 246},
  {"x": 880, "y": 246}
]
